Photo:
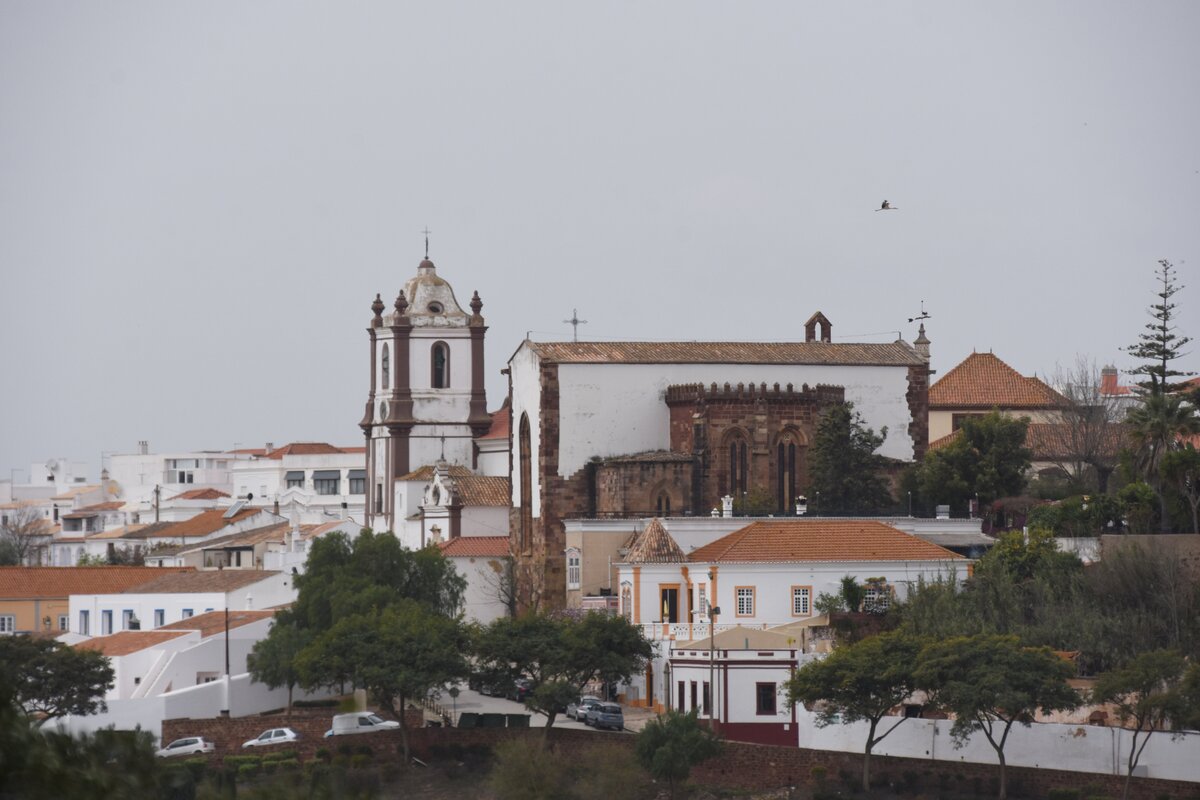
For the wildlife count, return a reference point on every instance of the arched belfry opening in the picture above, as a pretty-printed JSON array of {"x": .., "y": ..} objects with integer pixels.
[{"x": 818, "y": 325}]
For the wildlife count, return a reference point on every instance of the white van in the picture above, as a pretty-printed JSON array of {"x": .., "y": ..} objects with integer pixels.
[{"x": 360, "y": 722}]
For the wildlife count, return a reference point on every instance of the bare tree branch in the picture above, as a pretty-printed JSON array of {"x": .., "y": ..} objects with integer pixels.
[
  {"x": 24, "y": 533},
  {"x": 1088, "y": 441}
]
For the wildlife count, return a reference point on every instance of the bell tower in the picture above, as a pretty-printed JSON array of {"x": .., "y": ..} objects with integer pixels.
[{"x": 426, "y": 401}]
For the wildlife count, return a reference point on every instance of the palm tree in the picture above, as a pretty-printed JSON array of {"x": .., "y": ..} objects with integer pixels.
[{"x": 1156, "y": 427}]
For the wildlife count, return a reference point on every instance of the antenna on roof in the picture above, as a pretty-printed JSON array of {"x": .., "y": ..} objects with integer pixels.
[{"x": 923, "y": 315}]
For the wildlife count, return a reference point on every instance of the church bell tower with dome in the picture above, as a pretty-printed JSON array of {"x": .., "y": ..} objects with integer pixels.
[{"x": 427, "y": 401}]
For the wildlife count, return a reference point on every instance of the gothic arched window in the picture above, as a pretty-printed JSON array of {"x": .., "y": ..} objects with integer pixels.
[
  {"x": 526, "y": 457},
  {"x": 440, "y": 363},
  {"x": 739, "y": 467},
  {"x": 662, "y": 504},
  {"x": 785, "y": 471},
  {"x": 386, "y": 369}
]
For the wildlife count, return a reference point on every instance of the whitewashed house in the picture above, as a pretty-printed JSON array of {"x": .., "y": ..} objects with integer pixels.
[{"x": 485, "y": 563}]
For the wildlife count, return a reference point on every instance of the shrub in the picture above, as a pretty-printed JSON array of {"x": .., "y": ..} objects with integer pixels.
[
  {"x": 281, "y": 755},
  {"x": 364, "y": 750},
  {"x": 197, "y": 766},
  {"x": 524, "y": 770},
  {"x": 268, "y": 767},
  {"x": 288, "y": 764},
  {"x": 323, "y": 754},
  {"x": 248, "y": 771},
  {"x": 607, "y": 771},
  {"x": 240, "y": 761},
  {"x": 359, "y": 760},
  {"x": 345, "y": 750},
  {"x": 818, "y": 774}
]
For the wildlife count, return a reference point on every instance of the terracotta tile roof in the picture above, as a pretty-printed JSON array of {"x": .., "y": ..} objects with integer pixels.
[
  {"x": 740, "y": 638},
  {"x": 74, "y": 491},
  {"x": 654, "y": 546},
  {"x": 69, "y": 539},
  {"x": 112, "y": 505},
  {"x": 126, "y": 642},
  {"x": 1049, "y": 442},
  {"x": 38, "y": 582},
  {"x": 249, "y": 451},
  {"x": 313, "y": 531},
  {"x": 213, "y": 622},
  {"x": 820, "y": 540},
  {"x": 482, "y": 490},
  {"x": 201, "y": 494},
  {"x": 148, "y": 531},
  {"x": 425, "y": 473},
  {"x": 475, "y": 547},
  {"x": 984, "y": 381},
  {"x": 311, "y": 449},
  {"x": 203, "y": 524},
  {"x": 254, "y": 536},
  {"x": 650, "y": 456},
  {"x": 890, "y": 354},
  {"x": 500, "y": 424},
  {"x": 219, "y": 580}
]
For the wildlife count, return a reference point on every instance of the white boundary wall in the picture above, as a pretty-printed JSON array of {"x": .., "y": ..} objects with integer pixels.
[{"x": 1077, "y": 748}]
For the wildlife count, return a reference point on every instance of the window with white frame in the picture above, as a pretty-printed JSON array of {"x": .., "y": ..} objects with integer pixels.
[
  {"x": 160, "y": 617},
  {"x": 702, "y": 598},
  {"x": 85, "y": 623},
  {"x": 877, "y": 596},
  {"x": 187, "y": 613},
  {"x": 8, "y": 623},
  {"x": 573, "y": 567},
  {"x": 126, "y": 619},
  {"x": 627, "y": 602},
  {"x": 801, "y": 601},
  {"x": 106, "y": 622},
  {"x": 745, "y": 601},
  {"x": 327, "y": 481},
  {"x": 63, "y": 622}
]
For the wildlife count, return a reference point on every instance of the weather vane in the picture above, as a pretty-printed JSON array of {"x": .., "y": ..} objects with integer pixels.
[
  {"x": 575, "y": 322},
  {"x": 923, "y": 315},
  {"x": 426, "y": 231}
]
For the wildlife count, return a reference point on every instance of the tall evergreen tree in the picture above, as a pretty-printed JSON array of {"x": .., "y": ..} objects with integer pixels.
[
  {"x": 1160, "y": 344},
  {"x": 846, "y": 471}
]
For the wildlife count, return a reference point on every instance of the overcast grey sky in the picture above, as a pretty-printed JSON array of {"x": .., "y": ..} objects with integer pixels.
[{"x": 199, "y": 201}]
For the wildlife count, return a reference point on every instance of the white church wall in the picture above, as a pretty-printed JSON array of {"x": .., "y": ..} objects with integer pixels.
[
  {"x": 421, "y": 358},
  {"x": 526, "y": 399},
  {"x": 616, "y": 409}
]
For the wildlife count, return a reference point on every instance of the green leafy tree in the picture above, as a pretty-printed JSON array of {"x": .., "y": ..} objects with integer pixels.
[
  {"x": 404, "y": 652},
  {"x": 560, "y": 654},
  {"x": 671, "y": 744},
  {"x": 273, "y": 659},
  {"x": 48, "y": 679},
  {"x": 1181, "y": 469},
  {"x": 859, "y": 682},
  {"x": 987, "y": 459},
  {"x": 1156, "y": 427},
  {"x": 1148, "y": 693},
  {"x": 845, "y": 469},
  {"x": 1160, "y": 344},
  {"x": 990, "y": 683}
]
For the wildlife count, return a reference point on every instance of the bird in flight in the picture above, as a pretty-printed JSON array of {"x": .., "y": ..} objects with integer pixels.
[{"x": 887, "y": 207}]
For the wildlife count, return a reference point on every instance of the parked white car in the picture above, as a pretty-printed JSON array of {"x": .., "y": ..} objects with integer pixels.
[
  {"x": 187, "y": 746},
  {"x": 273, "y": 736},
  {"x": 360, "y": 722}
]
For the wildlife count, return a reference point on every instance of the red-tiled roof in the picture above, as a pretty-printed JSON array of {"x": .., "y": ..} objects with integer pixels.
[
  {"x": 126, "y": 642},
  {"x": 475, "y": 547},
  {"x": 500, "y": 424},
  {"x": 425, "y": 473},
  {"x": 890, "y": 354},
  {"x": 74, "y": 491},
  {"x": 654, "y": 546},
  {"x": 201, "y": 494},
  {"x": 39, "y": 582},
  {"x": 213, "y": 622},
  {"x": 220, "y": 580},
  {"x": 820, "y": 540},
  {"x": 1051, "y": 442},
  {"x": 204, "y": 523},
  {"x": 984, "y": 381},
  {"x": 311, "y": 449},
  {"x": 482, "y": 490},
  {"x": 111, "y": 505}
]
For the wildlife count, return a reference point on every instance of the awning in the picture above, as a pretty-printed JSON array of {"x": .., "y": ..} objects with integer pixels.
[
  {"x": 294, "y": 475},
  {"x": 327, "y": 475},
  {"x": 360, "y": 474}
]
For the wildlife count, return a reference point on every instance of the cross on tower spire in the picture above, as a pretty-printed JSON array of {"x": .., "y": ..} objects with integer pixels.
[
  {"x": 426, "y": 231},
  {"x": 574, "y": 322}
]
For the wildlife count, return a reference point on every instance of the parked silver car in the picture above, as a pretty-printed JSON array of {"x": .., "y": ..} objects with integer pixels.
[
  {"x": 584, "y": 712},
  {"x": 272, "y": 736},
  {"x": 187, "y": 746},
  {"x": 607, "y": 715},
  {"x": 574, "y": 708}
]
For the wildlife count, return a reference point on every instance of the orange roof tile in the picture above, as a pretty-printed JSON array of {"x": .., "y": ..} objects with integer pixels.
[
  {"x": 204, "y": 523},
  {"x": 74, "y": 491},
  {"x": 201, "y": 494},
  {"x": 118, "y": 533},
  {"x": 425, "y": 473},
  {"x": 220, "y": 580},
  {"x": 889, "y": 354},
  {"x": 475, "y": 547},
  {"x": 39, "y": 582},
  {"x": 482, "y": 490},
  {"x": 311, "y": 449},
  {"x": 111, "y": 505},
  {"x": 126, "y": 642},
  {"x": 213, "y": 622},
  {"x": 500, "y": 424},
  {"x": 820, "y": 540},
  {"x": 984, "y": 381},
  {"x": 654, "y": 545}
]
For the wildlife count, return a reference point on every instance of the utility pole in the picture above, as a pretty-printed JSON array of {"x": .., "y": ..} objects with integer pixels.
[{"x": 228, "y": 688}]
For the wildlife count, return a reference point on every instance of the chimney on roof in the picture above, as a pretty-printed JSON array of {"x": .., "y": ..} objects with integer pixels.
[
  {"x": 269, "y": 448},
  {"x": 143, "y": 447},
  {"x": 1108, "y": 380}
]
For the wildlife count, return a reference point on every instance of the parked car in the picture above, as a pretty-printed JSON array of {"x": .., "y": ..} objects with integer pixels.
[
  {"x": 360, "y": 722},
  {"x": 272, "y": 736},
  {"x": 608, "y": 715},
  {"x": 520, "y": 689},
  {"x": 584, "y": 712},
  {"x": 574, "y": 708},
  {"x": 187, "y": 746}
]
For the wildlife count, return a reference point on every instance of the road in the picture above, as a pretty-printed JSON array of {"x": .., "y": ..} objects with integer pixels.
[{"x": 470, "y": 700}]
